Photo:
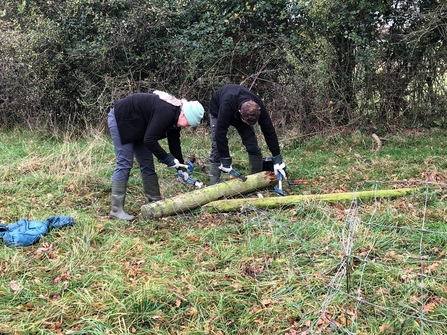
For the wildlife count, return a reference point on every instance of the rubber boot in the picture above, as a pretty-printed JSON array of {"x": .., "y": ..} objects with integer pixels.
[
  {"x": 255, "y": 162},
  {"x": 214, "y": 173},
  {"x": 118, "y": 197},
  {"x": 151, "y": 188}
]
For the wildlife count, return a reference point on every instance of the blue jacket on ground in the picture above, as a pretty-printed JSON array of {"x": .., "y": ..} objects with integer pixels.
[{"x": 25, "y": 232}]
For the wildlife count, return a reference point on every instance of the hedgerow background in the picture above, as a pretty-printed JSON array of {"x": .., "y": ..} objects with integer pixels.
[{"x": 319, "y": 65}]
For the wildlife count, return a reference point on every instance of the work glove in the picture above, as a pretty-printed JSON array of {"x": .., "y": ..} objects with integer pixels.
[
  {"x": 225, "y": 164},
  {"x": 171, "y": 162},
  {"x": 279, "y": 166}
]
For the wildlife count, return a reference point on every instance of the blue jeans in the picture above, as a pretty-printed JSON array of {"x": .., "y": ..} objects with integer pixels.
[
  {"x": 248, "y": 136},
  {"x": 124, "y": 154}
]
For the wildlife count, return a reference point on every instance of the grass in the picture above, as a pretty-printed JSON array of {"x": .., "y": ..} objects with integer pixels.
[{"x": 373, "y": 267}]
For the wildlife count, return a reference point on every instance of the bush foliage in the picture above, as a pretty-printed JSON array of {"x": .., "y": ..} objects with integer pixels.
[{"x": 319, "y": 64}]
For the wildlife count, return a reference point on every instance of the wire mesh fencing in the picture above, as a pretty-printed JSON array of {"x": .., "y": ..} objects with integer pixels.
[{"x": 353, "y": 266}]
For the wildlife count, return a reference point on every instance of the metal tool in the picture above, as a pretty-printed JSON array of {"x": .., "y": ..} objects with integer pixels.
[
  {"x": 278, "y": 189},
  {"x": 236, "y": 174},
  {"x": 189, "y": 181}
]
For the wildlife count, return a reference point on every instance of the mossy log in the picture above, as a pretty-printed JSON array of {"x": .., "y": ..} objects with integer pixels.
[
  {"x": 186, "y": 202},
  {"x": 223, "y": 206}
]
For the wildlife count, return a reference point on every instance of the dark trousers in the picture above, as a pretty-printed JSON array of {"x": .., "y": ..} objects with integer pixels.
[
  {"x": 247, "y": 134},
  {"x": 125, "y": 152}
]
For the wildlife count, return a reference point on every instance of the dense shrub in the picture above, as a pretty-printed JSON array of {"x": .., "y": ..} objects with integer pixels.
[{"x": 321, "y": 64}]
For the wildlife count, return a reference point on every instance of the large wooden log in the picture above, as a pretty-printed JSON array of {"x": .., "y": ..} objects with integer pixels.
[
  {"x": 222, "y": 206},
  {"x": 185, "y": 202}
]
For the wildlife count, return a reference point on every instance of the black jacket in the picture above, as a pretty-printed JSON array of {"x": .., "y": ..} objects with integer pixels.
[
  {"x": 225, "y": 104},
  {"x": 144, "y": 116}
]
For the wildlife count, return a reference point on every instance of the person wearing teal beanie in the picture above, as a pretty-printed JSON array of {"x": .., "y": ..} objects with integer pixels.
[
  {"x": 136, "y": 123},
  {"x": 193, "y": 111}
]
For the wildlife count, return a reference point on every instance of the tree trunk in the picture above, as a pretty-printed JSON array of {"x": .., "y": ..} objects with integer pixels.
[
  {"x": 235, "y": 204},
  {"x": 186, "y": 202}
]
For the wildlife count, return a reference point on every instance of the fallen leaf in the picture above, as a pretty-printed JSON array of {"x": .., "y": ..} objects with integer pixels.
[
  {"x": 383, "y": 327},
  {"x": 430, "y": 307},
  {"x": 266, "y": 302}
]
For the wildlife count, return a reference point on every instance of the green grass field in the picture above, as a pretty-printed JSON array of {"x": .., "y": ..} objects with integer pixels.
[{"x": 376, "y": 266}]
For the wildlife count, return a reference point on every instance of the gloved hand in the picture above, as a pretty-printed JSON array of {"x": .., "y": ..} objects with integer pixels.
[
  {"x": 171, "y": 162},
  {"x": 225, "y": 164},
  {"x": 279, "y": 166}
]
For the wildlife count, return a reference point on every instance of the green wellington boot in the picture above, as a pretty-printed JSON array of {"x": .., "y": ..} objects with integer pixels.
[
  {"x": 151, "y": 188},
  {"x": 214, "y": 173},
  {"x": 118, "y": 197}
]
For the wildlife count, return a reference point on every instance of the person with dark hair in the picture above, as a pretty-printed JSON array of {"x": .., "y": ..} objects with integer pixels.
[
  {"x": 234, "y": 105},
  {"x": 136, "y": 123}
]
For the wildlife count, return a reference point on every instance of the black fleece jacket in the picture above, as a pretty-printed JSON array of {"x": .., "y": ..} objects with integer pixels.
[
  {"x": 225, "y": 105},
  {"x": 144, "y": 116}
]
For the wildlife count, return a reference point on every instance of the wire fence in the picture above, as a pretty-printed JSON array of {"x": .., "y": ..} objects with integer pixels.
[{"x": 345, "y": 264}]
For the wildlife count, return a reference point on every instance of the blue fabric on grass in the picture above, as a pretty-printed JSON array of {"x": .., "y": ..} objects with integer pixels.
[{"x": 25, "y": 232}]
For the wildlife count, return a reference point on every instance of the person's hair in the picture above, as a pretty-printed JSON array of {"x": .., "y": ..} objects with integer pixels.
[
  {"x": 169, "y": 98},
  {"x": 250, "y": 112}
]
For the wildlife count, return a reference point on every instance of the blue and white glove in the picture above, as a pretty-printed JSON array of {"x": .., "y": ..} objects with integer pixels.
[
  {"x": 279, "y": 166},
  {"x": 171, "y": 162},
  {"x": 225, "y": 164}
]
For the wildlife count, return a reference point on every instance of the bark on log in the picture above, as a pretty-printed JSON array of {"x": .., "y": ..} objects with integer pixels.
[
  {"x": 185, "y": 202},
  {"x": 236, "y": 204}
]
